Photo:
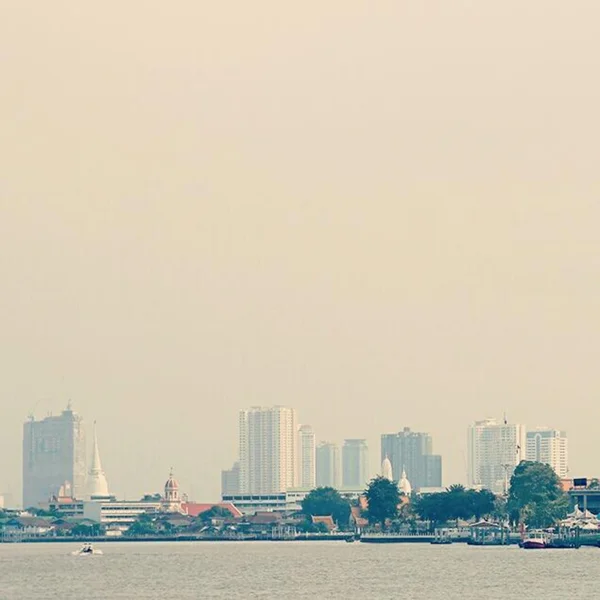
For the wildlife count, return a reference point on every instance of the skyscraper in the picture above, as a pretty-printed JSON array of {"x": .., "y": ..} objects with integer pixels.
[
  {"x": 230, "y": 480},
  {"x": 268, "y": 450},
  {"x": 549, "y": 446},
  {"x": 53, "y": 454},
  {"x": 412, "y": 452},
  {"x": 494, "y": 450},
  {"x": 328, "y": 465},
  {"x": 355, "y": 464},
  {"x": 306, "y": 456}
]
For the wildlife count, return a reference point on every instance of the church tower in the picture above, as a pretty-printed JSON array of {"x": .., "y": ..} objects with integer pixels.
[{"x": 172, "y": 498}]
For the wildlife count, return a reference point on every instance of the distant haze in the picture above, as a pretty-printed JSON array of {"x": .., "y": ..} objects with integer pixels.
[{"x": 383, "y": 214}]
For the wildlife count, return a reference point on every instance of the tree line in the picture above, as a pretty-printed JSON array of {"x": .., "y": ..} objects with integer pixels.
[{"x": 535, "y": 498}]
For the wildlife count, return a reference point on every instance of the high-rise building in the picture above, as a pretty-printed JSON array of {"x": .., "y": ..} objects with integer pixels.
[
  {"x": 412, "y": 452},
  {"x": 494, "y": 450},
  {"x": 549, "y": 446},
  {"x": 268, "y": 450},
  {"x": 230, "y": 481},
  {"x": 328, "y": 465},
  {"x": 53, "y": 454},
  {"x": 355, "y": 464},
  {"x": 306, "y": 457}
]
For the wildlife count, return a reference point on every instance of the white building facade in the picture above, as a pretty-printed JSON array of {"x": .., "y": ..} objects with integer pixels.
[
  {"x": 494, "y": 450},
  {"x": 306, "y": 457},
  {"x": 268, "y": 442},
  {"x": 549, "y": 446}
]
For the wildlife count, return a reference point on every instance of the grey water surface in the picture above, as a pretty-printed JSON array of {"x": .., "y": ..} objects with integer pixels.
[{"x": 295, "y": 570}]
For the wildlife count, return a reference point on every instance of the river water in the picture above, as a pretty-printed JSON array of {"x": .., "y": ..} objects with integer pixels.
[{"x": 296, "y": 570}]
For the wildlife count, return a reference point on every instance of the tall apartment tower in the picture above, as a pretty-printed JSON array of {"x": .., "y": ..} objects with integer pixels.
[
  {"x": 494, "y": 450},
  {"x": 53, "y": 454},
  {"x": 549, "y": 446},
  {"x": 328, "y": 465},
  {"x": 306, "y": 457},
  {"x": 268, "y": 450},
  {"x": 412, "y": 452},
  {"x": 355, "y": 464}
]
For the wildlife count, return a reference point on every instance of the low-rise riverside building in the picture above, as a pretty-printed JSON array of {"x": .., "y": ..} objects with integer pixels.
[
  {"x": 585, "y": 498},
  {"x": 290, "y": 501},
  {"x": 27, "y": 527},
  {"x": 122, "y": 513}
]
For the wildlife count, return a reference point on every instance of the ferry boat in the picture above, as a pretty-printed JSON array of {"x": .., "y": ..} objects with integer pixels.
[{"x": 535, "y": 540}]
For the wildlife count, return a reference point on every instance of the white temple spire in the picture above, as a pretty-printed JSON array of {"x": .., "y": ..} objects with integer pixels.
[
  {"x": 97, "y": 484},
  {"x": 386, "y": 469},
  {"x": 404, "y": 484}
]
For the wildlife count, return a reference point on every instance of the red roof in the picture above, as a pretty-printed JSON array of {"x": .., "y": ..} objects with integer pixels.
[
  {"x": 193, "y": 509},
  {"x": 327, "y": 521}
]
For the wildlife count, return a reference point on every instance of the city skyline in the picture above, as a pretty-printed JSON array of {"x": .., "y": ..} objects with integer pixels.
[{"x": 553, "y": 451}]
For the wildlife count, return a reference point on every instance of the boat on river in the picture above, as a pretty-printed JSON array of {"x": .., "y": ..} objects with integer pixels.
[
  {"x": 87, "y": 550},
  {"x": 536, "y": 540}
]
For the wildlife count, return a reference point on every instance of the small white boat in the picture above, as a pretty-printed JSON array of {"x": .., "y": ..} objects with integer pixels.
[
  {"x": 535, "y": 540},
  {"x": 87, "y": 550}
]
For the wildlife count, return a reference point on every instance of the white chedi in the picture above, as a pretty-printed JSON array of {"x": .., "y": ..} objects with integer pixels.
[
  {"x": 386, "y": 469},
  {"x": 97, "y": 485},
  {"x": 404, "y": 484}
]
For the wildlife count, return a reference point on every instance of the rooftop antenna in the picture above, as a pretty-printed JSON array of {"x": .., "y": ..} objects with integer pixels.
[
  {"x": 31, "y": 415},
  {"x": 505, "y": 420}
]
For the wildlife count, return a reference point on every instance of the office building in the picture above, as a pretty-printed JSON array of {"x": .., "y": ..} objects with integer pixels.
[
  {"x": 306, "y": 457},
  {"x": 549, "y": 446},
  {"x": 268, "y": 440},
  {"x": 53, "y": 454},
  {"x": 355, "y": 464},
  {"x": 230, "y": 480},
  {"x": 494, "y": 450},
  {"x": 412, "y": 452},
  {"x": 328, "y": 465}
]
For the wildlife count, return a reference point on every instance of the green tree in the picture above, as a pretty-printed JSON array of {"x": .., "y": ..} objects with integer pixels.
[
  {"x": 432, "y": 508},
  {"x": 535, "y": 496},
  {"x": 41, "y": 512},
  {"x": 326, "y": 501},
  {"x": 480, "y": 503},
  {"x": 216, "y": 512},
  {"x": 151, "y": 498},
  {"x": 455, "y": 503},
  {"x": 145, "y": 525},
  {"x": 383, "y": 498},
  {"x": 87, "y": 530}
]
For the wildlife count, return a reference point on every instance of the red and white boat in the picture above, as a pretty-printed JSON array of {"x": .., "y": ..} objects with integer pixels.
[{"x": 536, "y": 539}]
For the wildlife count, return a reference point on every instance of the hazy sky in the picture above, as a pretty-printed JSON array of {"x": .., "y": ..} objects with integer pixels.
[{"x": 384, "y": 214}]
